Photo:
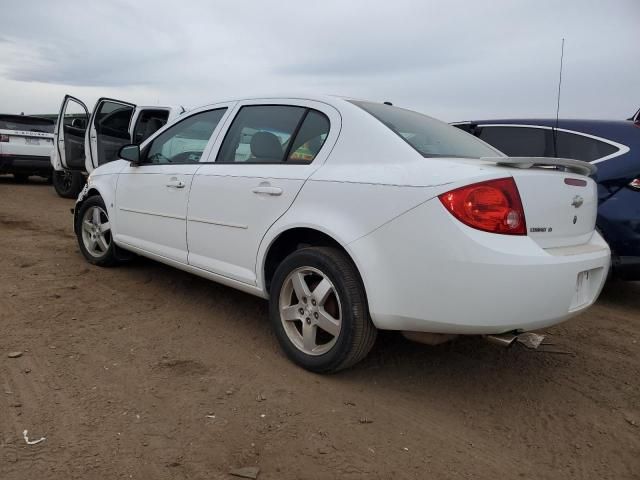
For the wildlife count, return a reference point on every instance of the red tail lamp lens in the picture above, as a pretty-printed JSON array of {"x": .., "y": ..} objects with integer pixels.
[{"x": 493, "y": 206}]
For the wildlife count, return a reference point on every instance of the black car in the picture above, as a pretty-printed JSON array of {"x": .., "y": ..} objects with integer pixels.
[{"x": 614, "y": 146}]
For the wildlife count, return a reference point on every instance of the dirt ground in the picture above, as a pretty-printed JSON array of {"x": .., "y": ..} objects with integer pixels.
[{"x": 146, "y": 372}]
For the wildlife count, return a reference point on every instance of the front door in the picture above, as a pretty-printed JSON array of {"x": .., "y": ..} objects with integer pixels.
[
  {"x": 70, "y": 133},
  {"x": 108, "y": 131},
  {"x": 152, "y": 197},
  {"x": 267, "y": 154}
]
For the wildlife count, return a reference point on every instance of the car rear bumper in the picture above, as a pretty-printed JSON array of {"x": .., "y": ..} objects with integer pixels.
[
  {"x": 31, "y": 164},
  {"x": 454, "y": 279}
]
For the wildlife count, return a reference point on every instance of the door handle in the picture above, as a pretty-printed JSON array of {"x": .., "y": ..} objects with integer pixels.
[
  {"x": 176, "y": 184},
  {"x": 275, "y": 191}
]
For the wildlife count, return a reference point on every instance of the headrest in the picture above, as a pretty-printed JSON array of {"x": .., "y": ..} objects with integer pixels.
[{"x": 266, "y": 145}]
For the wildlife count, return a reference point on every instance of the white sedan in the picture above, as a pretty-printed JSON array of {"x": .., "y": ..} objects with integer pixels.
[{"x": 352, "y": 216}]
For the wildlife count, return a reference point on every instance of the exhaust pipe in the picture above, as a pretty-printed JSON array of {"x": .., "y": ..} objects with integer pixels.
[
  {"x": 528, "y": 339},
  {"x": 503, "y": 339}
]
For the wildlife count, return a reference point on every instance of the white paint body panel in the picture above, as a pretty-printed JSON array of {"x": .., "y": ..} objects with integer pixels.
[{"x": 422, "y": 269}]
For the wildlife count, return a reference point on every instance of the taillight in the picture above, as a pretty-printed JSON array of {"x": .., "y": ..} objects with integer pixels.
[
  {"x": 4, "y": 138},
  {"x": 635, "y": 183},
  {"x": 492, "y": 206}
]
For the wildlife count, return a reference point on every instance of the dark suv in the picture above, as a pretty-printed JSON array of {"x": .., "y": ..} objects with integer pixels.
[{"x": 614, "y": 146}]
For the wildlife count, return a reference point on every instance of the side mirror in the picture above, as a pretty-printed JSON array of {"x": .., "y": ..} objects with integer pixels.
[{"x": 130, "y": 153}]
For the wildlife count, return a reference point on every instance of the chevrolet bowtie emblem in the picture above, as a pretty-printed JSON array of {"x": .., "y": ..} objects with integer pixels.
[{"x": 577, "y": 201}]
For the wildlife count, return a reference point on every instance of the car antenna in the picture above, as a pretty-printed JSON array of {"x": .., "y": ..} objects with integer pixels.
[
  {"x": 555, "y": 130},
  {"x": 388, "y": 103}
]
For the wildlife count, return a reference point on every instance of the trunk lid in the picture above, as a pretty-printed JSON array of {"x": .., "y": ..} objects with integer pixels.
[{"x": 560, "y": 208}]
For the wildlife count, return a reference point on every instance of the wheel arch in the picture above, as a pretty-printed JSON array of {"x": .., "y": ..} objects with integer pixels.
[
  {"x": 292, "y": 238},
  {"x": 92, "y": 192}
]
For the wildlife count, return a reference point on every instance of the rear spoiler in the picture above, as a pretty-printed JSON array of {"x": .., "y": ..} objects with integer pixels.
[{"x": 564, "y": 164}]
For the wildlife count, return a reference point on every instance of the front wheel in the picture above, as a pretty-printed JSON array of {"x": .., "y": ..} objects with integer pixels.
[
  {"x": 319, "y": 310},
  {"x": 93, "y": 231}
]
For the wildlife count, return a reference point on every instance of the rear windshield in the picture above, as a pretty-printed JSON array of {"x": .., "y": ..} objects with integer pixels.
[
  {"x": 430, "y": 137},
  {"x": 25, "y": 123}
]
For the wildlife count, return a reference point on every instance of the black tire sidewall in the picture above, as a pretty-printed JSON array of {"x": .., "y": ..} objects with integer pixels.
[
  {"x": 72, "y": 191},
  {"x": 350, "y": 307}
]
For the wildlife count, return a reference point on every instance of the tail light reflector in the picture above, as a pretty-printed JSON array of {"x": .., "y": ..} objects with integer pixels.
[
  {"x": 635, "y": 183},
  {"x": 492, "y": 206},
  {"x": 4, "y": 138}
]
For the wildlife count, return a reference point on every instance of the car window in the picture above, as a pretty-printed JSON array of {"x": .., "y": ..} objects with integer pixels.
[
  {"x": 185, "y": 141},
  {"x": 310, "y": 137},
  {"x": 112, "y": 119},
  {"x": 518, "y": 141},
  {"x": 26, "y": 124},
  {"x": 430, "y": 137},
  {"x": 579, "y": 147},
  {"x": 149, "y": 122},
  {"x": 260, "y": 134}
]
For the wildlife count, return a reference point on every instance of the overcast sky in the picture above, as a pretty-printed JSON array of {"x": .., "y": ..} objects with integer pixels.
[{"x": 454, "y": 60}]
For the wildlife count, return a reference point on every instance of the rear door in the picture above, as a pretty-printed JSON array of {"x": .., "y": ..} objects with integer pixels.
[
  {"x": 108, "y": 131},
  {"x": 70, "y": 133},
  {"x": 252, "y": 177}
]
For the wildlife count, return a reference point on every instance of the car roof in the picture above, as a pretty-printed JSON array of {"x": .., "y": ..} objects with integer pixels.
[{"x": 334, "y": 100}]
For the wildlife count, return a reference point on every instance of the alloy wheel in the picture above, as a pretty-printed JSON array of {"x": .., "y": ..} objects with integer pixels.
[
  {"x": 310, "y": 310},
  {"x": 96, "y": 231}
]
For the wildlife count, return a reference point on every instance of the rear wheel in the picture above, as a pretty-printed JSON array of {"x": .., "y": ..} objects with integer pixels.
[
  {"x": 93, "y": 231},
  {"x": 68, "y": 184},
  {"x": 319, "y": 311},
  {"x": 21, "y": 177}
]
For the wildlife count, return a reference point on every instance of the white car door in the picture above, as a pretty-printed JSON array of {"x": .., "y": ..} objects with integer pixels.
[
  {"x": 70, "y": 134},
  {"x": 251, "y": 179},
  {"x": 108, "y": 131},
  {"x": 148, "y": 120},
  {"x": 152, "y": 195}
]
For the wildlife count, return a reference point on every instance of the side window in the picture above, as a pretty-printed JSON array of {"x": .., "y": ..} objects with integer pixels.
[
  {"x": 579, "y": 147},
  {"x": 310, "y": 138},
  {"x": 149, "y": 122},
  {"x": 261, "y": 134},
  {"x": 518, "y": 141},
  {"x": 112, "y": 120},
  {"x": 185, "y": 141}
]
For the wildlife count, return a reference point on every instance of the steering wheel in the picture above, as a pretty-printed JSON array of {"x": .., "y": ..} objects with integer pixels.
[{"x": 187, "y": 157}]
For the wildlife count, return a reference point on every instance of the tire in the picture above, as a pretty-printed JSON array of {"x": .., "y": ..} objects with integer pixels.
[
  {"x": 68, "y": 184},
  {"x": 344, "y": 310},
  {"x": 21, "y": 177},
  {"x": 96, "y": 243}
]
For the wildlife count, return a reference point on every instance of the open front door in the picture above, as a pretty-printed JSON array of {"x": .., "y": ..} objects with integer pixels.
[
  {"x": 108, "y": 131},
  {"x": 70, "y": 133}
]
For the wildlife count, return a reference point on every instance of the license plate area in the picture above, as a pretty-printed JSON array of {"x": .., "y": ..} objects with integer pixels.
[
  {"x": 585, "y": 288},
  {"x": 33, "y": 141}
]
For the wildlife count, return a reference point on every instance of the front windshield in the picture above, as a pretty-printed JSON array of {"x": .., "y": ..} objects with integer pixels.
[{"x": 430, "y": 137}]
